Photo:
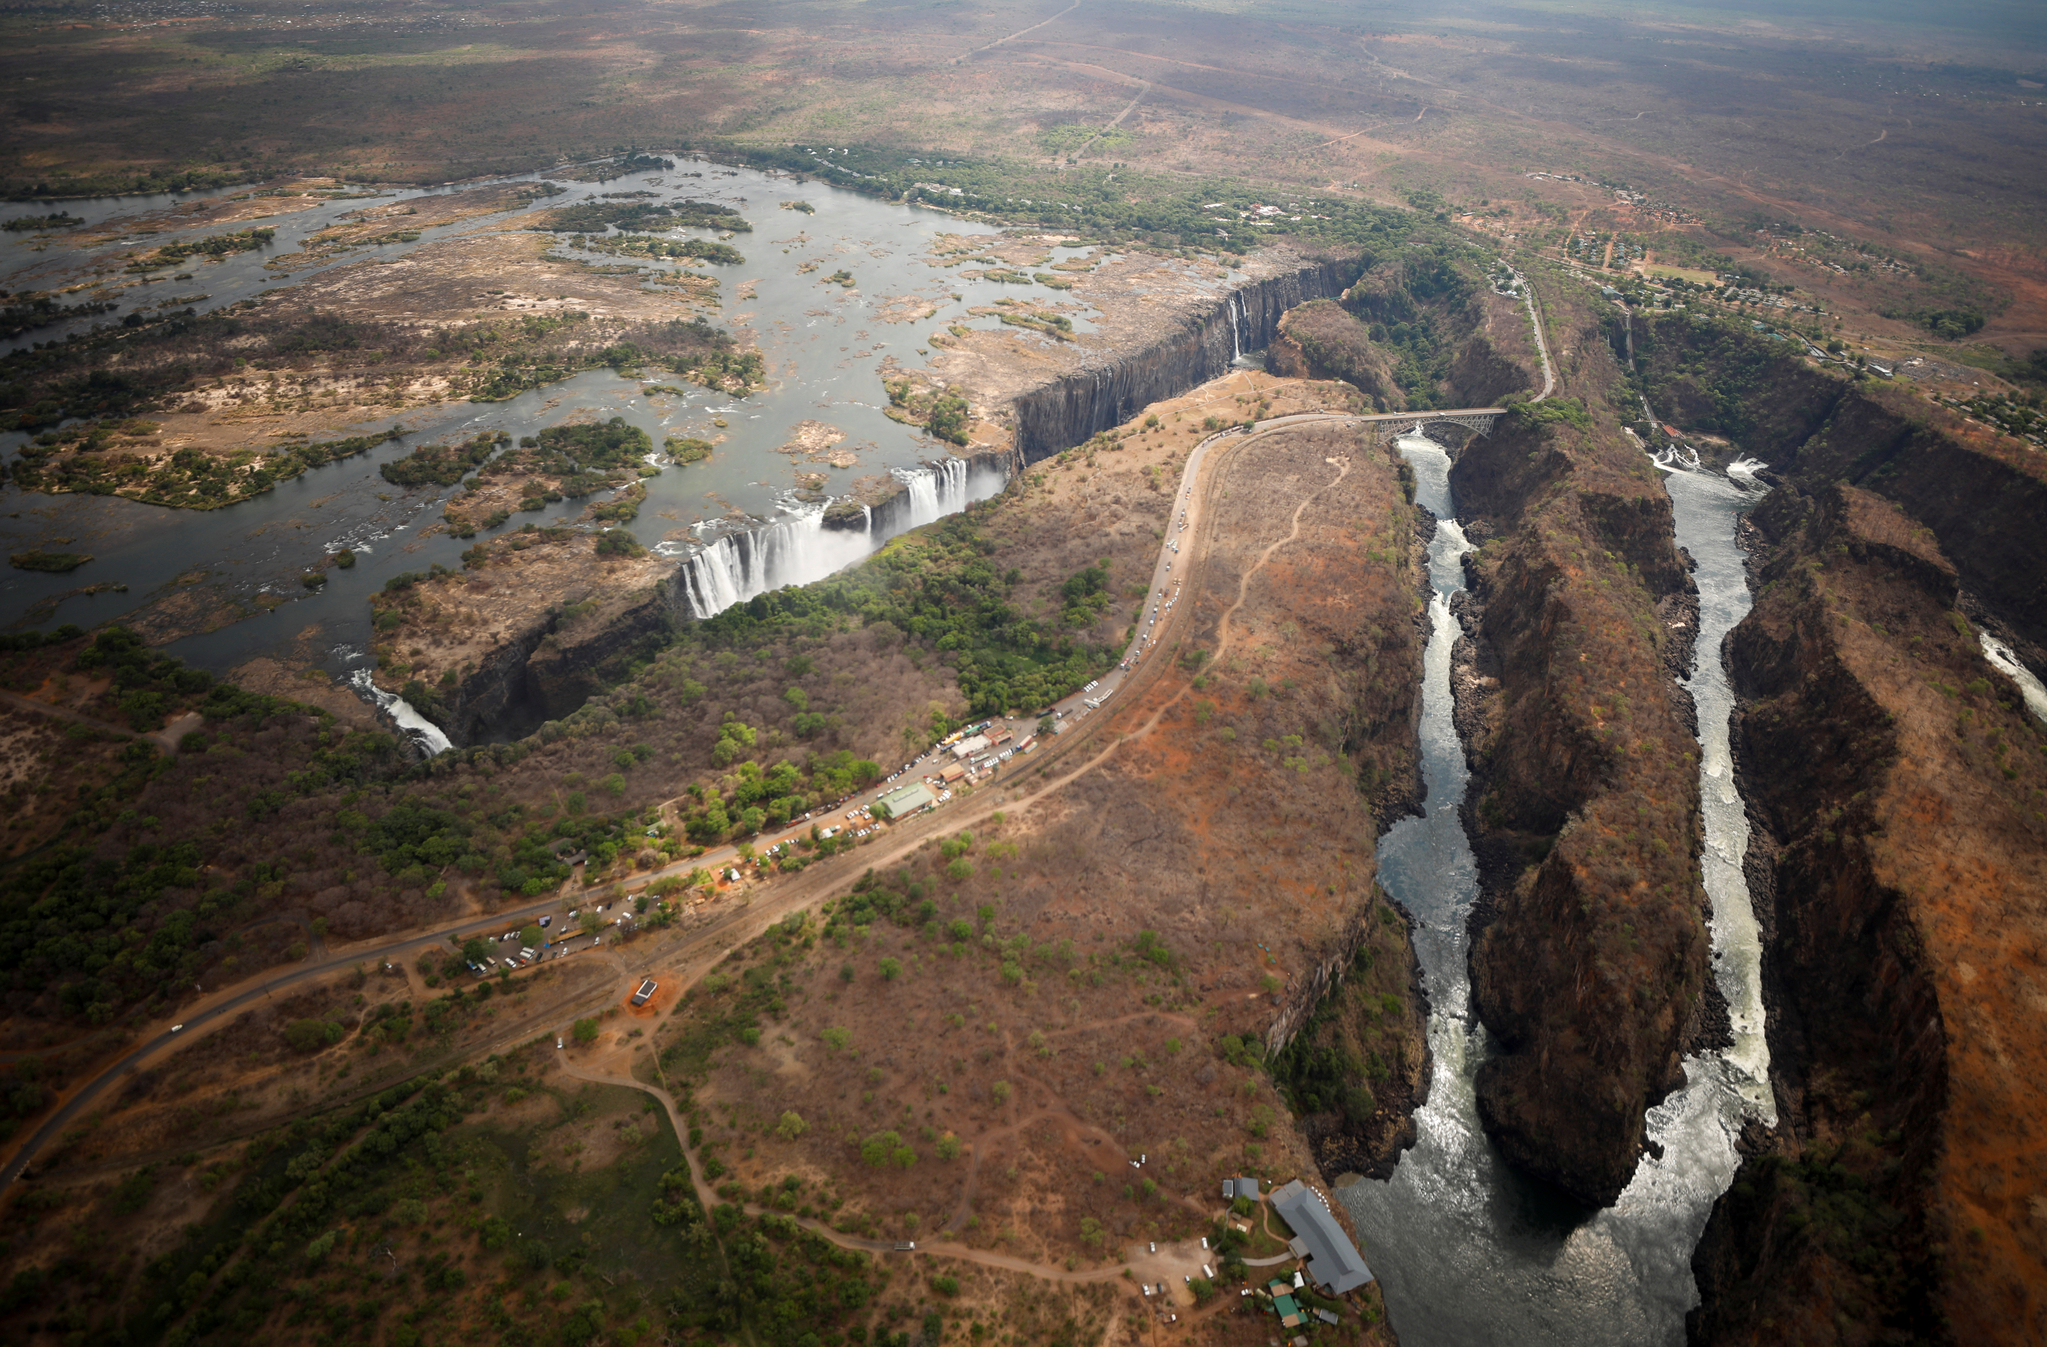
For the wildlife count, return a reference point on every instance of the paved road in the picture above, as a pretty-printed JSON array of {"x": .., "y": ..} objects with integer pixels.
[{"x": 742, "y": 921}]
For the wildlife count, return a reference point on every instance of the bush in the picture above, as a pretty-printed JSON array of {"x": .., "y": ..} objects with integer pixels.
[
  {"x": 311, "y": 1035},
  {"x": 791, "y": 1126},
  {"x": 587, "y": 1030}
]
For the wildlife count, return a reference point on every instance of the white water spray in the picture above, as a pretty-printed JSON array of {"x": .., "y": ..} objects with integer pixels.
[
  {"x": 801, "y": 550},
  {"x": 421, "y": 730},
  {"x": 2030, "y": 687}
]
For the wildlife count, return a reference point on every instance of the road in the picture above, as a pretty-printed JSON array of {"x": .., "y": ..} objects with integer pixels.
[{"x": 699, "y": 949}]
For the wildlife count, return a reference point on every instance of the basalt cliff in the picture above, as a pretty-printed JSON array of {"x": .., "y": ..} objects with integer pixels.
[
  {"x": 1590, "y": 958},
  {"x": 1898, "y": 866}
]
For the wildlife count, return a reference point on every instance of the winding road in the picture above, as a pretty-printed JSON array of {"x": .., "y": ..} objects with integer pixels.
[{"x": 687, "y": 954}]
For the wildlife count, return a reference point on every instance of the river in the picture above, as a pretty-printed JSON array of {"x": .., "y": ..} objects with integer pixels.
[
  {"x": 823, "y": 344},
  {"x": 1465, "y": 1249}
]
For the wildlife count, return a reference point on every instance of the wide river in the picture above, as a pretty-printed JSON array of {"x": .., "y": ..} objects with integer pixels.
[
  {"x": 1466, "y": 1250},
  {"x": 824, "y": 344}
]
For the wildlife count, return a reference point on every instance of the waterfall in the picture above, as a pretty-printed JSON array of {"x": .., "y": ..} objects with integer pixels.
[
  {"x": 2030, "y": 687},
  {"x": 416, "y": 726},
  {"x": 800, "y": 550},
  {"x": 1236, "y": 328}
]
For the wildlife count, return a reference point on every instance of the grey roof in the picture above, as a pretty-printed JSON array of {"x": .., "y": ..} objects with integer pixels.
[
  {"x": 1333, "y": 1261},
  {"x": 1241, "y": 1188}
]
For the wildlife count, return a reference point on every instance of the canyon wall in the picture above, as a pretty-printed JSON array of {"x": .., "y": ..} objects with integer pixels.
[
  {"x": 1983, "y": 494},
  {"x": 1897, "y": 781},
  {"x": 1590, "y": 957},
  {"x": 1070, "y": 408}
]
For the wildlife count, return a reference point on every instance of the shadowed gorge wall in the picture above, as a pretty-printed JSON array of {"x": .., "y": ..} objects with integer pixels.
[
  {"x": 1075, "y": 406},
  {"x": 1583, "y": 811},
  {"x": 1898, "y": 788}
]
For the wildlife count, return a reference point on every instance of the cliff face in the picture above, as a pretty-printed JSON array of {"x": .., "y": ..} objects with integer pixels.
[
  {"x": 1584, "y": 805},
  {"x": 1107, "y": 392},
  {"x": 1323, "y": 340},
  {"x": 534, "y": 626},
  {"x": 1982, "y": 494},
  {"x": 1898, "y": 782}
]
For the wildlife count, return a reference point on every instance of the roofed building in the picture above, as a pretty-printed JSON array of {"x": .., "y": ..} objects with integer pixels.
[
  {"x": 1333, "y": 1262},
  {"x": 904, "y": 801}
]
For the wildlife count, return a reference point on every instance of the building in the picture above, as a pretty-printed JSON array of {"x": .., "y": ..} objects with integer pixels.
[
  {"x": 952, "y": 772},
  {"x": 904, "y": 801},
  {"x": 1234, "y": 1188},
  {"x": 1332, "y": 1260},
  {"x": 968, "y": 747}
]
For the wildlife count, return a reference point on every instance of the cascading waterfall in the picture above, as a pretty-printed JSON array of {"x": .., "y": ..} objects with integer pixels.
[
  {"x": 2030, "y": 687},
  {"x": 1468, "y": 1251},
  {"x": 416, "y": 726},
  {"x": 1236, "y": 329},
  {"x": 799, "y": 550}
]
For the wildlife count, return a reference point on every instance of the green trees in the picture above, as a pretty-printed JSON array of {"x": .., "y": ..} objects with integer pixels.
[
  {"x": 791, "y": 1126},
  {"x": 587, "y": 1030},
  {"x": 311, "y": 1035},
  {"x": 531, "y": 935}
]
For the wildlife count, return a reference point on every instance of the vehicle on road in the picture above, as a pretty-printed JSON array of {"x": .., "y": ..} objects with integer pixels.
[{"x": 176, "y": 1027}]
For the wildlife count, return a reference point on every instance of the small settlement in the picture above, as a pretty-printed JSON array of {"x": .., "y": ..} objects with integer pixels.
[{"x": 1330, "y": 1266}]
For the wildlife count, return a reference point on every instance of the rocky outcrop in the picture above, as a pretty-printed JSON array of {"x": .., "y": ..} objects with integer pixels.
[
  {"x": 1982, "y": 494},
  {"x": 537, "y": 622},
  {"x": 1323, "y": 340},
  {"x": 1108, "y": 391},
  {"x": 1591, "y": 956},
  {"x": 1896, "y": 781}
]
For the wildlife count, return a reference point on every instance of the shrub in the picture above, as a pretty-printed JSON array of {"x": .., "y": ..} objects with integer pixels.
[
  {"x": 586, "y": 1031},
  {"x": 791, "y": 1126}
]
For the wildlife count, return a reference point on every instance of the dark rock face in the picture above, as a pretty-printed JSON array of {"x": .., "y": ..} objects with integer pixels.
[
  {"x": 1591, "y": 957},
  {"x": 1075, "y": 406},
  {"x": 1856, "y": 1023},
  {"x": 548, "y": 669},
  {"x": 1983, "y": 500}
]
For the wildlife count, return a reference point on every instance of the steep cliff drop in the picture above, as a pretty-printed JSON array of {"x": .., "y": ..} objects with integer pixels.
[
  {"x": 1073, "y": 406},
  {"x": 807, "y": 547},
  {"x": 1899, "y": 777},
  {"x": 1466, "y": 1249}
]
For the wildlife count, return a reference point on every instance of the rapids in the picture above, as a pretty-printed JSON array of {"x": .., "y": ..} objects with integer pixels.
[{"x": 1466, "y": 1250}]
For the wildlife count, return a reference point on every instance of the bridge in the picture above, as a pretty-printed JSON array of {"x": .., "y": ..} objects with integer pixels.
[
  {"x": 1388, "y": 426},
  {"x": 1382, "y": 427}
]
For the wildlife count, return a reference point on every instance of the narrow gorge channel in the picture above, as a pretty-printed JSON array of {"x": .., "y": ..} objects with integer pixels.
[{"x": 1466, "y": 1250}]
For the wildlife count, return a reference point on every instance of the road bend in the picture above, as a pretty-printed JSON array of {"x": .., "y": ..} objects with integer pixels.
[{"x": 702, "y": 947}]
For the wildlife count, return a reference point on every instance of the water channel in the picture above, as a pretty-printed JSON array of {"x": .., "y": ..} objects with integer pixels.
[
  {"x": 823, "y": 343},
  {"x": 1465, "y": 1249}
]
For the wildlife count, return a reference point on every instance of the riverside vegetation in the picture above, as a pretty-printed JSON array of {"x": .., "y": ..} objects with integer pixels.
[
  {"x": 304, "y": 1213},
  {"x": 88, "y": 395}
]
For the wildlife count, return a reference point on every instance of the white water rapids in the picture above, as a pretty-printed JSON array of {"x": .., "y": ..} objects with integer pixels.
[
  {"x": 1466, "y": 1250},
  {"x": 416, "y": 726},
  {"x": 2030, "y": 687}
]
